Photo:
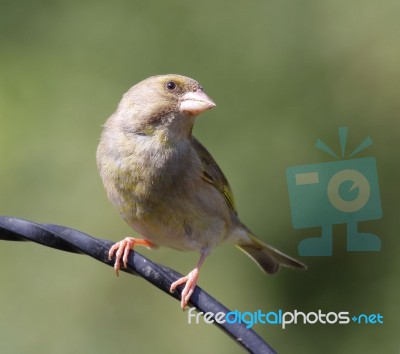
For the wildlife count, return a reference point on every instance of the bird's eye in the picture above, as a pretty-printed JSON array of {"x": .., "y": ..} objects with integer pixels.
[{"x": 171, "y": 85}]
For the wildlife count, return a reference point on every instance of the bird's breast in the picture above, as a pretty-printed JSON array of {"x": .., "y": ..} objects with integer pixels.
[{"x": 159, "y": 191}]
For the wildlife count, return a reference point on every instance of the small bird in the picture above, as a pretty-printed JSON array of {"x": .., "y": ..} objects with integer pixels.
[{"x": 166, "y": 185}]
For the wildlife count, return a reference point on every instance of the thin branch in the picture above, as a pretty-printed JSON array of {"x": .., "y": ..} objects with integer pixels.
[{"x": 70, "y": 240}]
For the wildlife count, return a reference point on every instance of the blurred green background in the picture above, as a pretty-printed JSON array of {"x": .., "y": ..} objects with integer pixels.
[{"x": 283, "y": 73}]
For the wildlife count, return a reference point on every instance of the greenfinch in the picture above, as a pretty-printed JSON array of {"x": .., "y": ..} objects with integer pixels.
[{"x": 166, "y": 185}]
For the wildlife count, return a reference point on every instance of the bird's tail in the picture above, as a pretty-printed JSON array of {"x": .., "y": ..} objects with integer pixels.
[{"x": 268, "y": 258}]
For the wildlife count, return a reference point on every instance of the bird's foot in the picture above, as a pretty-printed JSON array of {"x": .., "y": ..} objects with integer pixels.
[
  {"x": 121, "y": 250},
  {"x": 191, "y": 281}
]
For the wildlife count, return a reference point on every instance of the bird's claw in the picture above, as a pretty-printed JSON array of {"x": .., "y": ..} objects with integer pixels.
[
  {"x": 121, "y": 250},
  {"x": 191, "y": 281}
]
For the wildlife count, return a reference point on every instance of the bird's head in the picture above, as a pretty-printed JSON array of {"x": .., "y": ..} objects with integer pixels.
[{"x": 166, "y": 102}]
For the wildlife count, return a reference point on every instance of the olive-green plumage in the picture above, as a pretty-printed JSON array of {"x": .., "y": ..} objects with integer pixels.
[{"x": 164, "y": 182}]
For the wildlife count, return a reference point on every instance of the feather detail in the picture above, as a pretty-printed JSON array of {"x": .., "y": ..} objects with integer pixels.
[
  {"x": 213, "y": 174},
  {"x": 268, "y": 258}
]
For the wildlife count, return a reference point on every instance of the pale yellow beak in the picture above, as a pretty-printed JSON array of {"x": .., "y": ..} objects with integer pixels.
[{"x": 195, "y": 102}]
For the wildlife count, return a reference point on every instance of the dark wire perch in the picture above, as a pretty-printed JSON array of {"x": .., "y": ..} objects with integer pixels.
[{"x": 70, "y": 240}]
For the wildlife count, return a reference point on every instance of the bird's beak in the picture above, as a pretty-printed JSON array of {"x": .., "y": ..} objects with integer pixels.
[{"x": 195, "y": 102}]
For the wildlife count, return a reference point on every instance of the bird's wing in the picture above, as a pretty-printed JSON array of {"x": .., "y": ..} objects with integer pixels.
[{"x": 213, "y": 174}]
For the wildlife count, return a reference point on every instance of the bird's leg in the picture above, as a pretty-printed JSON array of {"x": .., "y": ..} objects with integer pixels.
[
  {"x": 122, "y": 248},
  {"x": 190, "y": 280}
]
